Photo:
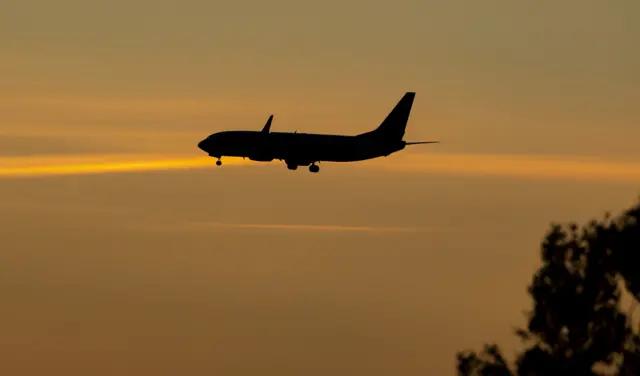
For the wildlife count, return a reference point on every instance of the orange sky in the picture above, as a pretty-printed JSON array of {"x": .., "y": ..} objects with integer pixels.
[{"x": 125, "y": 250}]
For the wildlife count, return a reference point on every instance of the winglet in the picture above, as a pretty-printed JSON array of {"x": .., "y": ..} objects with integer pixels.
[{"x": 267, "y": 126}]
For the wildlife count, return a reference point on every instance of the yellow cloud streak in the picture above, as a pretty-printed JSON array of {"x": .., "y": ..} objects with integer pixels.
[
  {"x": 538, "y": 167},
  {"x": 464, "y": 164},
  {"x": 209, "y": 226},
  {"x": 292, "y": 227},
  {"x": 33, "y": 167}
]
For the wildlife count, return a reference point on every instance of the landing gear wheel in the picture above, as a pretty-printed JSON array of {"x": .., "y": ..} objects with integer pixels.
[
  {"x": 314, "y": 168},
  {"x": 218, "y": 162}
]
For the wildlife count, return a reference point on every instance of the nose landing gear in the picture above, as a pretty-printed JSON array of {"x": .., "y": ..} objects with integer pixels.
[
  {"x": 218, "y": 162},
  {"x": 314, "y": 168}
]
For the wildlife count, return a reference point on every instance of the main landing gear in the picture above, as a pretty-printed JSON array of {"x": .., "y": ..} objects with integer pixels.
[{"x": 313, "y": 168}]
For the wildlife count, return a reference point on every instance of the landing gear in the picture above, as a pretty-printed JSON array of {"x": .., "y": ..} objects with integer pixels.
[
  {"x": 294, "y": 166},
  {"x": 218, "y": 162}
]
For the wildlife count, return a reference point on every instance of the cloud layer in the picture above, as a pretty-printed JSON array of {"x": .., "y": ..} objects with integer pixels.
[
  {"x": 209, "y": 226},
  {"x": 532, "y": 167}
]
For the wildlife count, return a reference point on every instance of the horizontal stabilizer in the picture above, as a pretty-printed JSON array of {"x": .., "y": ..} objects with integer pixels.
[{"x": 422, "y": 142}]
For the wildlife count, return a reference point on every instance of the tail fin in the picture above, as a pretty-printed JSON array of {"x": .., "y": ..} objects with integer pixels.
[{"x": 394, "y": 125}]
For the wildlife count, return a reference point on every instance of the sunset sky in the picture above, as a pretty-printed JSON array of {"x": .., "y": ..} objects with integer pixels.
[{"x": 125, "y": 250}]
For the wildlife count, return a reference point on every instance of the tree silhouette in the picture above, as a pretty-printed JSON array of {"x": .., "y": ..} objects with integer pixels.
[{"x": 576, "y": 326}]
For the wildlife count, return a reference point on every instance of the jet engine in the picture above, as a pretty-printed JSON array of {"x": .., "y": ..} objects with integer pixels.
[{"x": 261, "y": 158}]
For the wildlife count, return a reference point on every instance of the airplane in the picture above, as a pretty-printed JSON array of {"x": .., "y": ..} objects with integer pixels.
[{"x": 308, "y": 149}]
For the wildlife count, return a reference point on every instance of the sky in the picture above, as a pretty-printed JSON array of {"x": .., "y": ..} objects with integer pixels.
[{"x": 126, "y": 251}]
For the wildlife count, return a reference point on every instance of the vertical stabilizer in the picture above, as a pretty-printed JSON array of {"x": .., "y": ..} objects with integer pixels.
[{"x": 394, "y": 125}]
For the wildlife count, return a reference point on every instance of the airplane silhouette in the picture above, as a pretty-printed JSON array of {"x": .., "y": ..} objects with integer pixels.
[{"x": 305, "y": 149}]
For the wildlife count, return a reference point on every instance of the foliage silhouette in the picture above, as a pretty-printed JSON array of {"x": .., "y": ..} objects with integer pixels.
[{"x": 576, "y": 326}]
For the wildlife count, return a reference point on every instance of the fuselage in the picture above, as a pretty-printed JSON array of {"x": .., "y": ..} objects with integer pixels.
[{"x": 301, "y": 149}]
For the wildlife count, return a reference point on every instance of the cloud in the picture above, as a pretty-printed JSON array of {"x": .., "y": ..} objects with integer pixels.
[
  {"x": 32, "y": 145},
  {"x": 21, "y": 139},
  {"x": 520, "y": 166},
  {"x": 531, "y": 167},
  {"x": 123, "y": 218},
  {"x": 55, "y": 105},
  {"x": 138, "y": 105},
  {"x": 84, "y": 165},
  {"x": 208, "y": 226}
]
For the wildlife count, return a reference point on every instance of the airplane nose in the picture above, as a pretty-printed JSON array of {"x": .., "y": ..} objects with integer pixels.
[{"x": 201, "y": 145}]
